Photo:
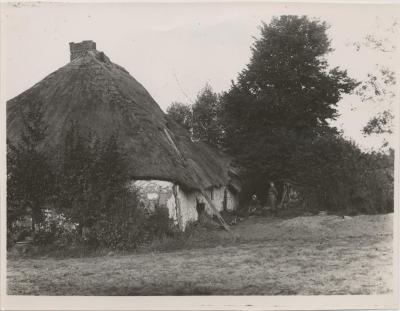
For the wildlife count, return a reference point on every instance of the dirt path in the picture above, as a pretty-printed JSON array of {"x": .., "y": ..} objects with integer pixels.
[{"x": 280, "y": 257}]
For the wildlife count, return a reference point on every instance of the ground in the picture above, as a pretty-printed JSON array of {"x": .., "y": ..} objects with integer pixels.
[{"x": 314, "y": 255}]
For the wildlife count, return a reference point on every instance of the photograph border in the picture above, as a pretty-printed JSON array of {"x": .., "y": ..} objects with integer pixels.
[{"x": 13, "y": 302}]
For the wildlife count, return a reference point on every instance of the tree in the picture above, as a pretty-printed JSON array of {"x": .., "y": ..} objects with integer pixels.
[
  {"x": 30, "y": 176},
  {"x": 110, "y": 173},
  {"x": 343, "y": 179},
  {"x": 16, "y": 209},
  {"x": 282, "y": 101},
  {"x": 92, "y": 178},
  {"x": 206, "y": 117},
  {"x": 76, "y": 198},
  {"x": 378, "y": 90},
  {"x": 202, "y": 118},
  {"x": 182, "y": 114},
  {"x": 288, "y": 78}
]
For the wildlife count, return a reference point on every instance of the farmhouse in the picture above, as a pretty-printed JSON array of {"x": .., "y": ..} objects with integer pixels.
[{"x": 166, "y": 167}]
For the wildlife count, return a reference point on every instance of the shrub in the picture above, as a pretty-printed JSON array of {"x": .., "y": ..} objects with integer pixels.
[
  {"x": 56, "y": 228},
  {"x": 118, "y": 231},
  {"x": 333, "y": 174},
  {"x": 18, "y": 231},
  {"x": 129, "y": 227},
  {"x": 159, "y": 224}
]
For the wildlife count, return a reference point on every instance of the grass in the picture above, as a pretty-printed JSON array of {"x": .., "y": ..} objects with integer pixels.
[{"x": 319, "y": 255}]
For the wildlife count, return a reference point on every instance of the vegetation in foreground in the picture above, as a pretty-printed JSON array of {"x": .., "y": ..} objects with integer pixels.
[{"x": 313, "y": 255}]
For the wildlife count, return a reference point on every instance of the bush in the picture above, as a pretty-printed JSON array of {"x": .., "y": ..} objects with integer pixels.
[
  {"x": 159, "y": 224},
  {"x": 18, "y": 231},
  {"x": 129, "y": 229},
  {"x": 121, "y": 225},
  {"x": 333, "y": 174},
  {"x": 118, "y": 231},
  {"x": 56, "y": 228}
]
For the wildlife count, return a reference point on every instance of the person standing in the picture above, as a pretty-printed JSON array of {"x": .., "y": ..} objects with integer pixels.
[
  {"x": 254, "y": 205},
  {"x": 272, "y": 196}
]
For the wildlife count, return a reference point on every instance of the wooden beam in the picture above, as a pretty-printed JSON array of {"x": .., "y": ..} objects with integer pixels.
[
  {"x": 285, "y": 190},
  {"x": 214, "y": 208}
]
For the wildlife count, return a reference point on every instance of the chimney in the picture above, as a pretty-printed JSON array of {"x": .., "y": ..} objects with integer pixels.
[{"x": 81, "y": 48}]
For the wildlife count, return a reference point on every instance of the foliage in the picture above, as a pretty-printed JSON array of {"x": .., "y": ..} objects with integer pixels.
[
  {"x": 380, "y": 123},
  {"x": 124, "y": 228},
  {"x": 330, "y": 173},
  {"x": 206, "y": 117},
  {"x": 182, "y": 114},
  {"x": 128, "y": 227},
  {"x": 90, "y": 203},
  {"x": 275, "y": 120},
  {"x": 202, "y": 119},
  {"x": 30, "y": 177},
  {"x": 18, "y": 230},
  {"x": 91, "y": 178},
  {"x": 378, "y": 90},
  {"x": 94, "y": 193},
  {"x": 75, "y": 178},
  {"x": 56, "y": 229},
  {"x": 345, "y": 180},
  {"x": 159, "y": 224},
  {"x": 287, "y": 84}
]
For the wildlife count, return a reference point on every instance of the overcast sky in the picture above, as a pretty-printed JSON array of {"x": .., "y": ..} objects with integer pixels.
[{"x": 174, "y": 49}]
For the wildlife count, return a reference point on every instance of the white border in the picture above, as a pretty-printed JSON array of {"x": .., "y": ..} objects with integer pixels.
[{"x": 192, "y": 302}]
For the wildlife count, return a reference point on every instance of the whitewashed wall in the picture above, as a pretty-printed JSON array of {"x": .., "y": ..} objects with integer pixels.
[
  {"x": 154, "y": 193},
  {"x": 232, "y": 201},
  {"x": 217, "y": 195},
  {"x": 187, "y": 212}
]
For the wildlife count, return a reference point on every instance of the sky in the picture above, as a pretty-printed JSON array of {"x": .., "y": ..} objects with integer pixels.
[{"x": 175, "y": 49}]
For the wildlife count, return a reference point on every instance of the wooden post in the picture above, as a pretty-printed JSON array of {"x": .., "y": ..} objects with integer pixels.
[
  {"x": 222, "y": 221},
  {"x": 283, "y": 195}
]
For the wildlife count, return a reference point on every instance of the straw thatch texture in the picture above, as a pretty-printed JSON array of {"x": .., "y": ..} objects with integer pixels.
[{"x": 102, "y": 97}]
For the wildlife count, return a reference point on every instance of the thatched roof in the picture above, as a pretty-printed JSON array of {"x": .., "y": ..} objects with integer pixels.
[{"x": 103, "y": 97}]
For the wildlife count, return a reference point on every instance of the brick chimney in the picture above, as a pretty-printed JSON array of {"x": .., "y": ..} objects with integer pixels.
[{"x": 81, "y": 48}]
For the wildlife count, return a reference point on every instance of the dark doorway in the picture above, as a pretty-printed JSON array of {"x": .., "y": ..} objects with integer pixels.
[{"x": 200, "y": 207}]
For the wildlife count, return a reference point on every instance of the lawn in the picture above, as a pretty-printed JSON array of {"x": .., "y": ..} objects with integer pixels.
[{"x": 315, "y": 255}]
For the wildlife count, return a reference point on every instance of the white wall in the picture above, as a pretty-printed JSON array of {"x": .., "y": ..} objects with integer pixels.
[
  {"x": 217, "y": 195},
  {"x": 187, "y": 212},
  {"x": 232, "y": 201},
  {"x": 154, "y": 193}
]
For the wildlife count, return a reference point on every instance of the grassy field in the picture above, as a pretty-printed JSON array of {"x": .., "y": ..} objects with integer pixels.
[{"x": 316, "y": 255}]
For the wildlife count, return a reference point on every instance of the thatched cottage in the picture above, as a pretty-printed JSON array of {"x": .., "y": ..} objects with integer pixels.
[{"x": 167, "y": 168}]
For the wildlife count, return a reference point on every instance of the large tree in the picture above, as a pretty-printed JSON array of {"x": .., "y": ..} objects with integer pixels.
[
  {"x": 76, "y": 173},
  {"x": 91, "y": 178},
  {"x": 283, "y": 100},
  {"x": 30, "y": 176}
]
